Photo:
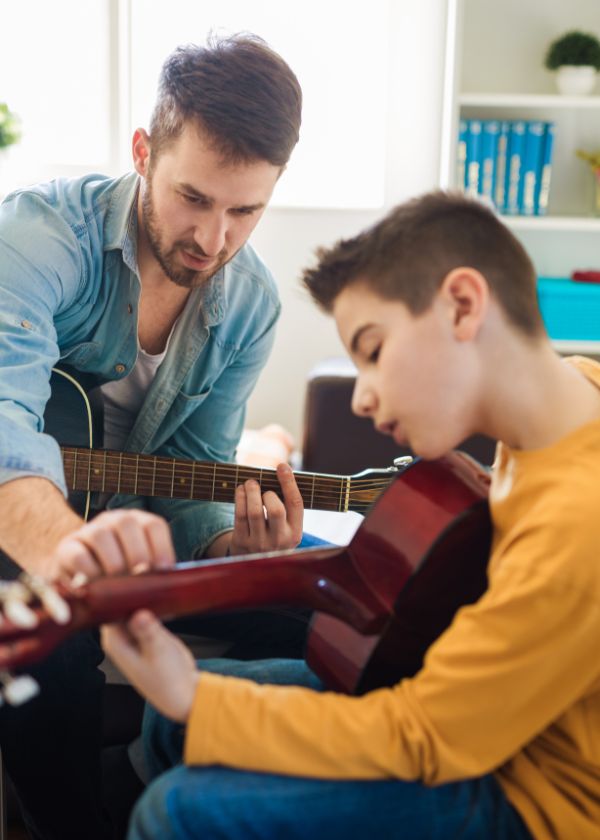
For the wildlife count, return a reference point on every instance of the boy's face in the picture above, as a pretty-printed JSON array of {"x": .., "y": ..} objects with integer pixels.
[
  {"x": 197, "y": 210},
  {"x": 411, "y": 380}
]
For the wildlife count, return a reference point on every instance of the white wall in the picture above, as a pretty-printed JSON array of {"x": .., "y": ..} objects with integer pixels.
[{"x": 287, "y": 238}]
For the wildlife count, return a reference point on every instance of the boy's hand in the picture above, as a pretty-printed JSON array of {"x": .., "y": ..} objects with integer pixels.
[
  {"x": 263, "y": 522},
  {"x": 155, "y": 661}
]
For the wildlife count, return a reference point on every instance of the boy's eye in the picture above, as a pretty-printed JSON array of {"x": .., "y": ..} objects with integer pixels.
[{"x": 374, "y": 355}]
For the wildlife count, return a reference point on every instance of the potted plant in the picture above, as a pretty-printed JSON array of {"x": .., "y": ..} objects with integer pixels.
[
  {"x": 576, "y": 58},
  {"x": 10, "y": 127}
]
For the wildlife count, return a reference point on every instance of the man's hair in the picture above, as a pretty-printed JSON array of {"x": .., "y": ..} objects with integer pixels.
[
  {"x": 238, "y": 91},
  {"x": 407, "y": 255}
]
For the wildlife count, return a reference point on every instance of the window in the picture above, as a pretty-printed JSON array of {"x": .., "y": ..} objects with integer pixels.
[
  {"x": 55, "y": 72},
  {"x": 85, "y": 75}
]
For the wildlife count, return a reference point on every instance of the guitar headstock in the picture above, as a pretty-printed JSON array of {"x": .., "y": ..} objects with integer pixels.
[
  {"x": 29, "y": 607},
  {"x": 368, "y": 485}
]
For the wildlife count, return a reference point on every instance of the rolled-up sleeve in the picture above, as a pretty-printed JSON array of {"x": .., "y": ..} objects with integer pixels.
[{"x": 39, "y": 266}]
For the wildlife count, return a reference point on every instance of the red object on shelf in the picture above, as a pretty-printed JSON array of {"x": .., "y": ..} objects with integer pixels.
[{"x": 586, "y": 276}]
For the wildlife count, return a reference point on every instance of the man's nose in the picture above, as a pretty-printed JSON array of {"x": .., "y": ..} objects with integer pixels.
[{"x": 211, "y": 234}]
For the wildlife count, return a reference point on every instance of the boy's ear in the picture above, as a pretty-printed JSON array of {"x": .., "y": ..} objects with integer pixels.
[
  {"x": 140, "y": 149},
  {"x": 465, "y": 293}
]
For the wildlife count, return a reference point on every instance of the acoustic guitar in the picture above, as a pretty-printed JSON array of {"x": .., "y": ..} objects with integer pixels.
[
  {"x": 420, "y": 553},
  {"x": 74, "y": 417}
]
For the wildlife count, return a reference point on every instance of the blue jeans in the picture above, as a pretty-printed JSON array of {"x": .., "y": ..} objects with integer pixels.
[{"x": 216, "y": 802}]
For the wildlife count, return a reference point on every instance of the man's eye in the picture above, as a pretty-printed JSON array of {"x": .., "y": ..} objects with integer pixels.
[
  {"x": 191, "y": 199},
  {"x": 373, "y": 355}
]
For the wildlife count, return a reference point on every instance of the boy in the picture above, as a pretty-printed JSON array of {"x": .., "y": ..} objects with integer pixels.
[{"x": 498, "y": 735}]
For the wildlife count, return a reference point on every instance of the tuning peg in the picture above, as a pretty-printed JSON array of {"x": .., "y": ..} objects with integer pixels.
[
  {"x": 14, "y": 597},
  {"x": 18, "y": 690},
  {"x": 48, "y": 596}
]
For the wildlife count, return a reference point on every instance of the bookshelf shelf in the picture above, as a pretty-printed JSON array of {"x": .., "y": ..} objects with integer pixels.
[
  {"x": 582, "y": 224},
  {"x": 529, "y": 101},
  {"x": 575, "y": 347}
]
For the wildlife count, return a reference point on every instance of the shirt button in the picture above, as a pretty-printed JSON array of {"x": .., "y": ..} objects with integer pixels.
[
  {"x": 26, "y": 325},
  {"x": 119, "y": 368},
  {"x": 129, "y": 308}
]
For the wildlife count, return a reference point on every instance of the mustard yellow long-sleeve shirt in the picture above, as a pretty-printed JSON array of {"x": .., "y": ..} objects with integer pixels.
[{"x": 512, "y": 686}]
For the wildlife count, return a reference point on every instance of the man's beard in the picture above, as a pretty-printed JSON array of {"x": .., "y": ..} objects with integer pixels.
[{"x": 181, "y": 276}]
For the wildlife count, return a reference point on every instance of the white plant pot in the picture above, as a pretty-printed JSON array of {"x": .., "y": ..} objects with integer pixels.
[{"x": 574, "y": 80}]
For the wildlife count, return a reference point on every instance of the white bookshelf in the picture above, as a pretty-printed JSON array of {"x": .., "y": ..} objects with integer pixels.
[{"x": 494, "y": 69}]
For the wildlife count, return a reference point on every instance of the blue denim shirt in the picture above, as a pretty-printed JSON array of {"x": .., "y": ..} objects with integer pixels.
[{"x": 69, "y": 290}]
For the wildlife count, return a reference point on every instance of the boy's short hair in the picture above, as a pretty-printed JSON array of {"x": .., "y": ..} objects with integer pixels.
[
  {"x": 408, "y": 253},
  {"x": 238, "y": 91}
]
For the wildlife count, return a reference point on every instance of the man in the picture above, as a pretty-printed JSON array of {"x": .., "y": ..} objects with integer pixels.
[
  {"x": 146, "y": 281},
  {"x": 497, "y": 734}
]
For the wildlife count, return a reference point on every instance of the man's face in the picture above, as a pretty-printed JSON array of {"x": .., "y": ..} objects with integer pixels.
[
  {"x": 410, "y": 378},
  {"x": 198, "y": 211}
]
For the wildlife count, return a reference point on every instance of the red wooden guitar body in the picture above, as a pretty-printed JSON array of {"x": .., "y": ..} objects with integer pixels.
[{"x": 424, "y": 547}]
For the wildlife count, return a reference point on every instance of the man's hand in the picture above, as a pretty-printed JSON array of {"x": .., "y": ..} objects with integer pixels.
[
  {"x": 263, "y": 522},
  {"x": 115, "y": 542},
  {"x": 157, "y": 663}
]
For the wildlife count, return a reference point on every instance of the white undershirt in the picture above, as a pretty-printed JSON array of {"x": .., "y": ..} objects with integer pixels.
[{"x": 123, "y": 398}]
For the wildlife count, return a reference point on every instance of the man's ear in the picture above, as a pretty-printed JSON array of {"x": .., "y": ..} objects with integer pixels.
[
  {"x": 140, "y": 150},
  {"x": 466, "y": 294}
]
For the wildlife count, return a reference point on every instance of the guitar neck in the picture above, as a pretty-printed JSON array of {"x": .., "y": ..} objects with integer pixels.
[
  {"x": 104, "y": 470},
  {"x": 321, "y": 578}
]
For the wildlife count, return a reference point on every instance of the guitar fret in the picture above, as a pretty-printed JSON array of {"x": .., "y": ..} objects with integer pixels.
[
  {"x": 154, "y": 476},
  {"x": 104, "y": 471},
  {"x": 75, "y": 470},
  {"x": 135, "y": 482},
  {"x": 312, "y": 495},
  {"x": 347, "y": 499},
  {"x": 89, "y": 470},
  {"x": 172, "y": 477},
  {"x": 119, "y": 472},
  {"x": 213, "y": 482},
  {"x": 192, "y": 481}
]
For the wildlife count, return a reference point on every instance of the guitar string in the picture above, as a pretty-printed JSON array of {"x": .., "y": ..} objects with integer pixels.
[
  {"x": 201, "y": 485},
  {"x": 81, "y": 477},
  {"x": 204, "y": 489},
  {"x": 165, "y": 469},
  {"x": 167, "y": 466}
]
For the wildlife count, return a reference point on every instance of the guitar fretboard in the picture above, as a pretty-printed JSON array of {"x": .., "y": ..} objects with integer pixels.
[{"x": 104, "y": 470}]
